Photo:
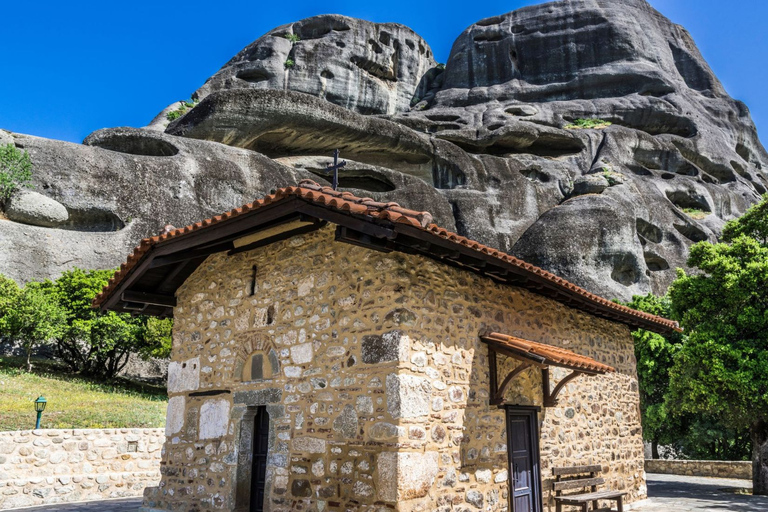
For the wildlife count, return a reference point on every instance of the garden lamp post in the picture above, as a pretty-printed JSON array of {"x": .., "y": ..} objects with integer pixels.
[{"x": 40, "y": 407}]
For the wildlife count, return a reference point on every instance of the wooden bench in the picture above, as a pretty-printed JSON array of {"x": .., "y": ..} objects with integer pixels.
[{"x": 576, "y": 479}]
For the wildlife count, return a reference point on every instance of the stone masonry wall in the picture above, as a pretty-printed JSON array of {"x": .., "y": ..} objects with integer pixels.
[
  {"x": 47, "y": 466},
  {"x": 714, "y": 468},
  {"x": 376, "y": 384}
]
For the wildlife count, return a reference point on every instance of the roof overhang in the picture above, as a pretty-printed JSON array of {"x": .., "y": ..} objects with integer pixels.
[{"x": 147, "y": 282}]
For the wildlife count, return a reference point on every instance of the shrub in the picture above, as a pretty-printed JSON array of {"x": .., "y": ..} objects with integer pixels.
[
  {"x": 15, "y": 171},
  {"x": 440, "y": 65},
  {"x": 294, "y": 38},
  {"x": 98, "y": 344},
  {"x": 588, "y": 124},
  {"x": 289, "y": 63},
  {"x": 184, "y": 107},
  {"x": 695, "y": 213}
]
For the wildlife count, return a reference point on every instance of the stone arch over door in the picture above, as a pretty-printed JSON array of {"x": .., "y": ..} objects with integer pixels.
[{"x": 251, "y": 346}]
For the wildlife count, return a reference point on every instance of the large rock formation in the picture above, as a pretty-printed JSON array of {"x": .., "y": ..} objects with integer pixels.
[{"x": 487, "y": 143}]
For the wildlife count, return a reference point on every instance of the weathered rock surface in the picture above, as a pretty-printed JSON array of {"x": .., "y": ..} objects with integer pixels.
[
  {"x": 123, "y": 185},
  {"x": 29, "y": 207},
  {"x": 371, "y": 68},
  {"x": 486, "y": 144}
]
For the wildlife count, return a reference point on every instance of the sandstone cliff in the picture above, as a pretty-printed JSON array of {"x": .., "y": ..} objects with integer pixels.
[{"x": 486, "y": 142}]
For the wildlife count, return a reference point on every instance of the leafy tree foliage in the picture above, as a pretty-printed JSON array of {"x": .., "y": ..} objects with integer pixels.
[
  {"x": 722, "y": 369},
  {"x": 29, "y": 315},
  {"x": 99, "y": 344},
  {"x": 15, "y": 171},
  {"x": 655, "y": 356}
]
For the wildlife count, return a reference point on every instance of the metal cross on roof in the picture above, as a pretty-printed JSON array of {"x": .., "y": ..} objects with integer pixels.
[{"x": 334, "y": 168}]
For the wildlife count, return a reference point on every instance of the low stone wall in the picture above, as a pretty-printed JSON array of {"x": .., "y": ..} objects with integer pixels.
[
  {"x": 40, "y": 467},
  {"x": 716, "y": 468}
]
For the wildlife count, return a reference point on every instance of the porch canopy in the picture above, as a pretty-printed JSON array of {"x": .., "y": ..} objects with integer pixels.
[{"x": 537, "y": 355}]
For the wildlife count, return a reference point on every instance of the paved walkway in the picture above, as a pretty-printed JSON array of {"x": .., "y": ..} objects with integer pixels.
[
  {"x": 666, "y": 492},
  {"x": 686, "y": 493}
]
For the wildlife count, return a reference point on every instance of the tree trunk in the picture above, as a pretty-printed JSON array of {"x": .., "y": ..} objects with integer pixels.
[
  {"x": 654, "y": 449},
  {"x": 29, "y": 358},
  {"x": 759, "y": 433}
]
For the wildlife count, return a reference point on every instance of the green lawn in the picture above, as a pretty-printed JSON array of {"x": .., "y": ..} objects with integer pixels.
[{"x": 73, "y": 401}]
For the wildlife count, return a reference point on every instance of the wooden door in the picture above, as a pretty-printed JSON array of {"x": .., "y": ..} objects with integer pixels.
[
  {"x": 523, "y": 451},
  {"x": 259, "y": 467}
]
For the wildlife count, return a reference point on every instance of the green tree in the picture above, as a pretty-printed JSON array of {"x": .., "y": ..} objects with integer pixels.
[
  {"x": 722, "y": 370},
  {"x": 95, "y": 343},
  {"x": 15, "y": 171},
  {"x": 655, "y": 356},
  {"x": 32, "y": 318}
]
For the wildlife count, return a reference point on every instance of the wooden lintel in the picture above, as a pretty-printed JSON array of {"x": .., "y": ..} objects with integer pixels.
[
  {"x": 187, "y": 255},
  {"x": 144, "y": 298},
  {"x": 307, "y": 228},
  {"x": 550, "y": 399}
]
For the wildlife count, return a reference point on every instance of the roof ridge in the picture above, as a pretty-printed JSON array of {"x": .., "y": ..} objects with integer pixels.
[{"x": 312, "y": 192}]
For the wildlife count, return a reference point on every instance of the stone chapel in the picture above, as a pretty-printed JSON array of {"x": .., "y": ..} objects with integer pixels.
[{"x": 334, "y": 353}]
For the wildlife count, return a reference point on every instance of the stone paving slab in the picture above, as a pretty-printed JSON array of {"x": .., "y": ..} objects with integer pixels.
[
  {"x": 690, "y": 493},
  {"x": 123, "y": 505},
  {"x": 666, "y": 493}
]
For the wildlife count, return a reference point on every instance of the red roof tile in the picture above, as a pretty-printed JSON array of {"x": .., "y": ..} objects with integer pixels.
[
  {"x": 373, "y": 210},
  {"x": 552, "y": 355}
]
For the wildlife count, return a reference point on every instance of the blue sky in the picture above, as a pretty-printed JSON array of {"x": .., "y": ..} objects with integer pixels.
[{"x": 70, "y": 68}]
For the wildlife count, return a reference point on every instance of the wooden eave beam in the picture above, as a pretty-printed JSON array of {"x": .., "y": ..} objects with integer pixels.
[{"x": 148, "y": 298}]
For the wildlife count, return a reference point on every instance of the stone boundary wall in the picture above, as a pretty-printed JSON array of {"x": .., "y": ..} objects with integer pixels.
[
  {"x": 47, "y": 466},
  {"x": 716, "y": 468}
]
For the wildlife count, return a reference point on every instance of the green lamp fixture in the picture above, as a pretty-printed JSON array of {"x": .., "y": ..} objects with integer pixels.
[{"x": 40, "y": 407}]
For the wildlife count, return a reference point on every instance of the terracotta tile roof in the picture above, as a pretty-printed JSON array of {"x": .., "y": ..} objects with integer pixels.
[
  {"x": 552, "y": 355},
  {"x": 367, "y": 208},
  {"x": 308, "y": 190}
]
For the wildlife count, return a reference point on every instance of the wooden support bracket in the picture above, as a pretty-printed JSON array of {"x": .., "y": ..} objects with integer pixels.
[
  {"x": 497, "y": 392},
  {"x": 550, "y": 398}
]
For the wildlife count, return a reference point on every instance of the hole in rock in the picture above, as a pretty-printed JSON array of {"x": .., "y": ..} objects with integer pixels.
[
  {"x": 654, "y": 262},
  {"x": 625, "y": 271},
  {"x": 410, "y": 44},
  {"x": 489, "y": 36},
  {"x": 318, "y": 27},
  {"x": 639, "y": 171},
  {"x": 93, "y": 219},
  {"x": 688, "y": 199},
  {"x": 709, "y": 179},
  {"x": 364, "y": 179},
  {"x": 135, "y": 144},
  {"x": 649, "y": 231},
  {"x": 385, "y": 38},
  {"x": 341, "y": 44},
  {"x": 447, "y": 176},
  {"x": 253, "y": 75},
  {"x": 667, "y": 176},
  {"x": 376, "y": 47},
  {"x": 742, "y": 151},
  {"x": 443, "y": 117},
  {"x": 691, "y": 232},
  {"x": 440, "y": 127},
  {"x": 535, "y": 175},
  {"x": 759, "y": 188},
  {"x": 487, "y": 22},
  {"x": 326, "y": 74},
  {"x": 494, "y": 127},
  {"x": 740, "y": 169}
]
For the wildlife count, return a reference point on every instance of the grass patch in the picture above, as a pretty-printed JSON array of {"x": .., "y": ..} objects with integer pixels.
[
  {"x": 695, "y": 213},
  {"x": 294, "y": 38},
  {"x": 73, "y": 401},
  {"x": 588, "y": 124},
  {"x": 289, "y": 63}
]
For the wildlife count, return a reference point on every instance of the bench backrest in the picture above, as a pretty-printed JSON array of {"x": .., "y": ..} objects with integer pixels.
[{"x": 577, "y": 477}]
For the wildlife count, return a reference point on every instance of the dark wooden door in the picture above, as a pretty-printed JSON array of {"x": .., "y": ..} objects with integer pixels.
[
  {"x": 523, "y": 450},
  {"x": 259, "y": 468}
]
